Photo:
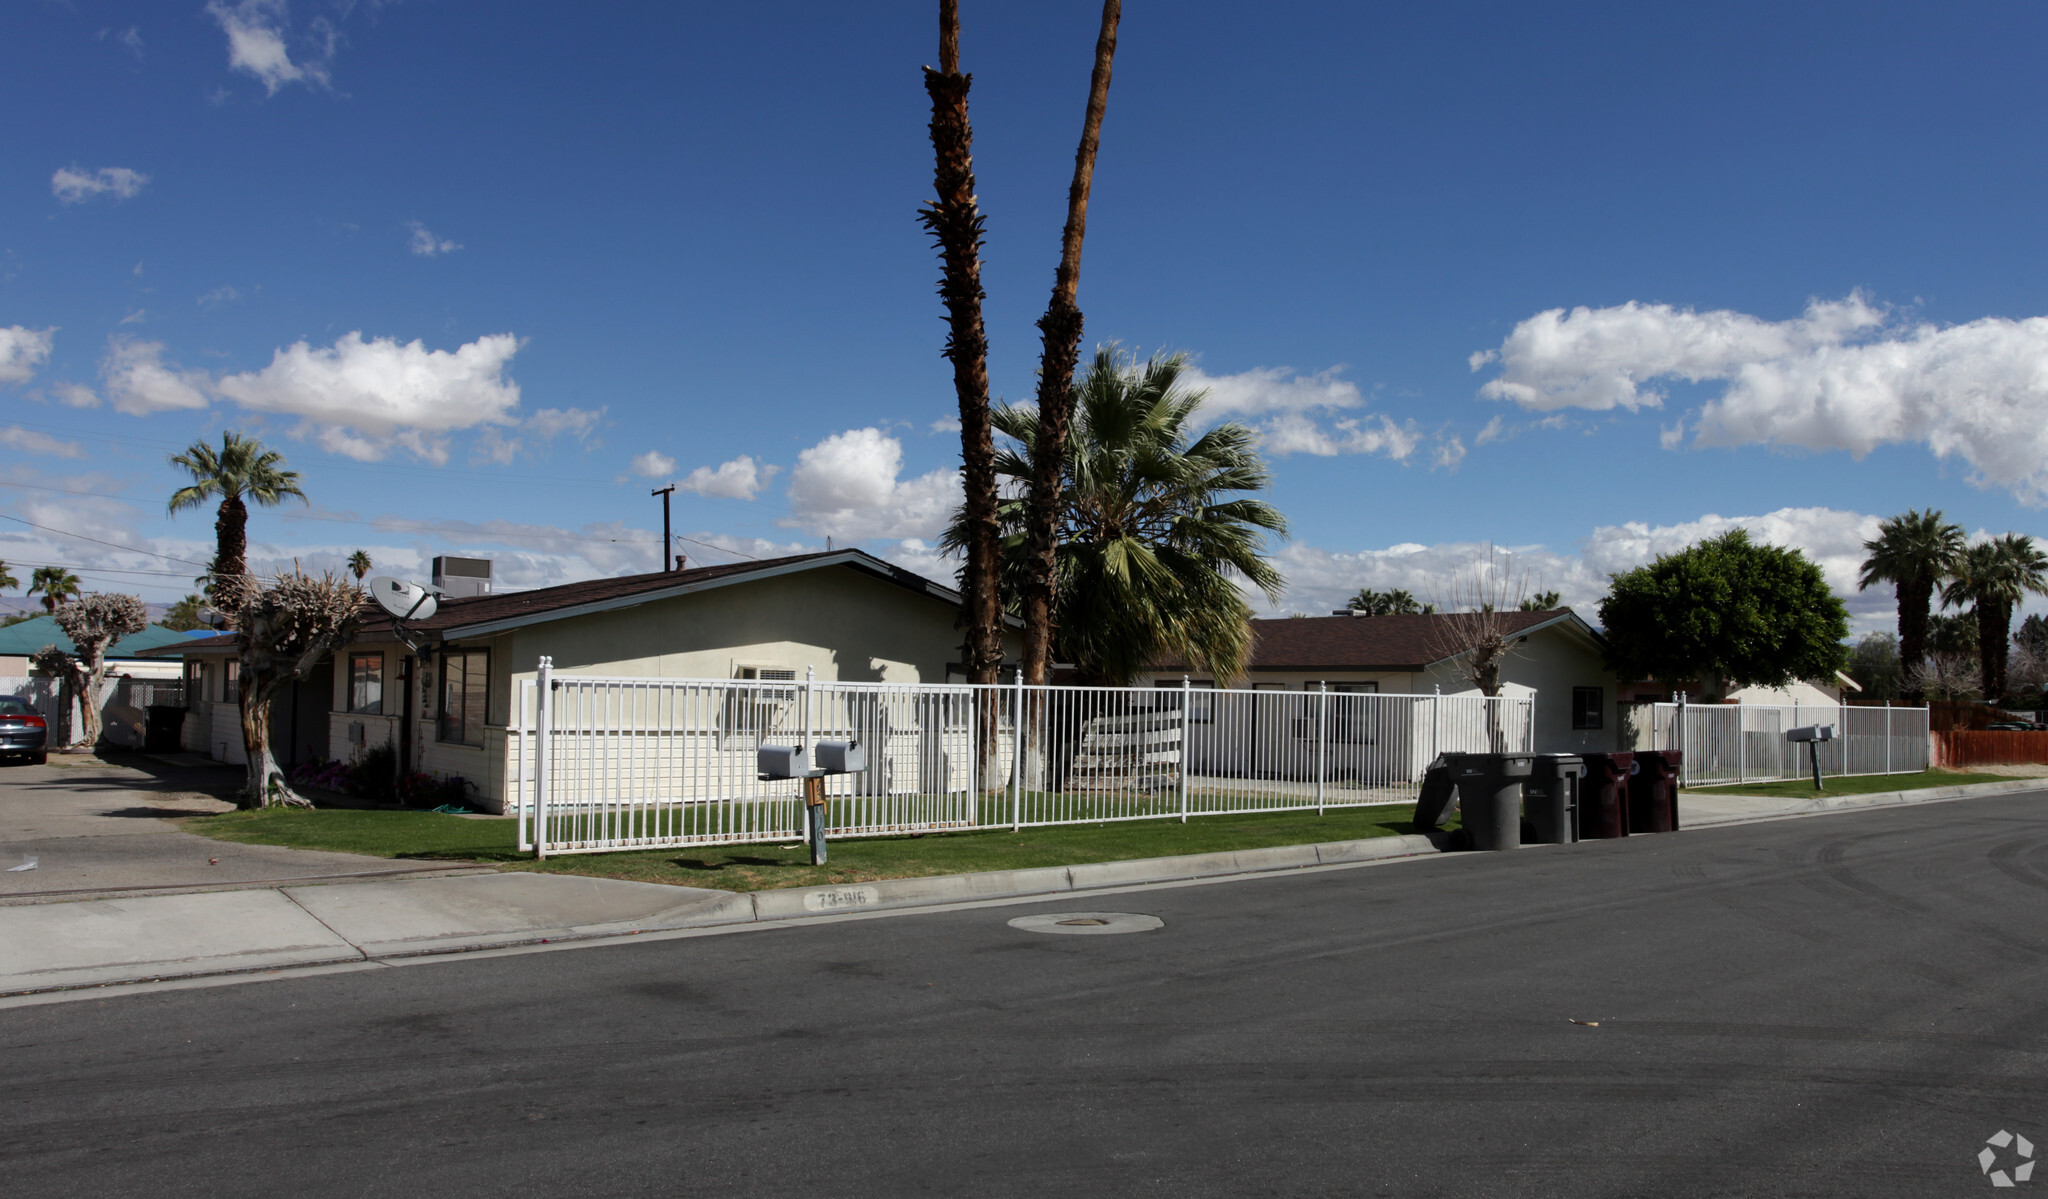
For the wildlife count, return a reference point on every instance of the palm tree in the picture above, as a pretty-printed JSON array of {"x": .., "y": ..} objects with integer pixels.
[
  {"x": 1993, "y": 577},
  {"x": 955, "y": 222},
  {"x": 1059, "y": 353},
  {"x": 7, "y": 579},
  {"x": 359, "y": 565},
  {"x": 1913, "y": 552},
  {"x": 56, "y": 584},
  {"x": 184, "y": 615},
  {"x": 241, "y": 470},
  {"x": 1543, "y": 601},
  {"x": 1155, "y": 526},
  {"x": 1397, "y": 602}
]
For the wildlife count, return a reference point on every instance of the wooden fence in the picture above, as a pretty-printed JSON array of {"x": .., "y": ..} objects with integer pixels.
[{"x": 1963, "y": 747}]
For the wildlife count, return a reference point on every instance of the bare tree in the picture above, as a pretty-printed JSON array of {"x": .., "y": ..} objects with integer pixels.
[
  {"x": 286, "y": 629},
  {"x": 1060, "y": 353},
  {"x": 1478, "y": 609},
  {"x": 1947, "y": 676},
  {"x": 94, "y": 623}
]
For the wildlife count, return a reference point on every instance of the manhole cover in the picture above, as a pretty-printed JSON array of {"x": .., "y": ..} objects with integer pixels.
[{"x": 1088, "y": 923}]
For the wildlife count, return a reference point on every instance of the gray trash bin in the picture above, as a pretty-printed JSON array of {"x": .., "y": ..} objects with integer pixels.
[
  {"x": 1550, "y": 799},
  {"x": 1433, "y": 805},
  {"x": 1490, "y": 797}
]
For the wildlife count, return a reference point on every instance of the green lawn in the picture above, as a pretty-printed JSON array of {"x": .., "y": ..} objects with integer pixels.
[
  {"x": 1862, "y": 784},
  {"x": 429, "y": 836}
]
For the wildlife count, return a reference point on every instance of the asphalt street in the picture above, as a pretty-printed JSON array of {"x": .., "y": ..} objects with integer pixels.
[{"x": 1841, "y": 1005}]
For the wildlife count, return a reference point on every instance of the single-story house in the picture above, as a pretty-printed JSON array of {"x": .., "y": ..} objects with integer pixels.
[
  {"x": 844, "y": 614},
  {"x": 1806, "y": 693},
  {"x": 20, "y": 641},
  {"x": 1556, "y": 656}
]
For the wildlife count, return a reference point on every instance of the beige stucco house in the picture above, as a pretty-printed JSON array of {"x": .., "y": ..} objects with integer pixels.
[
  {"x": 1556, "y": 656},
  {"x": 845, "y": 615}
]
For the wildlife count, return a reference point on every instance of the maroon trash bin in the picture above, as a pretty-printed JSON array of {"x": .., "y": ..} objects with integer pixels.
[
  {"x": 1653, "y": 791},
  {"x": 1603, "y": 796}
]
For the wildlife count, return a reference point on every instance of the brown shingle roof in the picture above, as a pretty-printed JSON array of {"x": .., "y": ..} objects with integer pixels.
[
  {"x": 458, "y": 614},
  {"x": 1358, "y": 642}
]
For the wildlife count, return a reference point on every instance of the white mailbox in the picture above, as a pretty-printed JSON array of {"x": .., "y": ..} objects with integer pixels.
[
  {"x": 782, "y": 761},
  {"x": 1812, "y": 732},
  {"x": 842, "y": 757}
]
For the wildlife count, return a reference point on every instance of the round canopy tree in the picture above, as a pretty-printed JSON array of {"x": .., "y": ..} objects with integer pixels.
[{"x": 1726, "y": 610}]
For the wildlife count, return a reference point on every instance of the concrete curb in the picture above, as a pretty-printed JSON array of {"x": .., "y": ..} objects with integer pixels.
[
  {"x": 796, "y": 903},
  {"x": 1880, "y": 799}
]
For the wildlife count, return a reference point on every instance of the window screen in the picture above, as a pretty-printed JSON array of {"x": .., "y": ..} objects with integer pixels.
[
  {"x": 1588, "y": 703},
  {"x": 465, "y": 682},
  {"x": 366, "y": 684}
]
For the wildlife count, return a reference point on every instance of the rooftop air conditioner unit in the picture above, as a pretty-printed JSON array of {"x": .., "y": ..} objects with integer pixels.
[{"x": 462, "y": 576}]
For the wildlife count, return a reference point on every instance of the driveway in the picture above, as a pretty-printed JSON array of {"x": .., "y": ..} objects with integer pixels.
[{"x": 97, "y": 827}]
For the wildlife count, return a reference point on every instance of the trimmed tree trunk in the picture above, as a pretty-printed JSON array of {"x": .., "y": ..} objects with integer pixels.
[
  {"x": 1061, "y": 330},
  {"x": 1994, "y": 625},
  {"x": 1915, "y": 599},
  {"x": 266, "y": 785}
]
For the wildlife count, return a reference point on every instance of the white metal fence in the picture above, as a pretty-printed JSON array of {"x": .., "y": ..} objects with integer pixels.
[
  {"x": 633, "y": 763},
  {"x": 1736, "y": 743}
]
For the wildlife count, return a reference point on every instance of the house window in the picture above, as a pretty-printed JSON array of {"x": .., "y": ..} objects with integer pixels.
[
  {"x": 195, "y": 683},
  {"x": 1354, "y": 688},
  {"x": 230, "y": 681},
  {"x": 366, "y": 684},
  {"x": 1588, "y": 705},
  {"x": 465, "y": 686}
]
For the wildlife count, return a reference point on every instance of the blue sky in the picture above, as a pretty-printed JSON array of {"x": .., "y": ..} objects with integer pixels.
[{"x": 487, "y": 273}]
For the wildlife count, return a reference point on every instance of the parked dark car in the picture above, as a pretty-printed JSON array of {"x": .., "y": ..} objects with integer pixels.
[
  {"x": 23, "y": 732},
  {"x": 2010, "y": 726}
]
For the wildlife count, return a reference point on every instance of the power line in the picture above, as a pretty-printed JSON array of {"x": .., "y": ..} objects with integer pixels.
[{"x": 127, "y": 549}]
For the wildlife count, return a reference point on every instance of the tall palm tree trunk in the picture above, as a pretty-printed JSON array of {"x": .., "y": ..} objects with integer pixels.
[
  {"x": 1994, "y": 625},
  {"x": 231, "y": 558},
  {"x": 955, "y": 222},
  {"x": 1915, "y": 600},
  {"x": 1061, "y": 330}
]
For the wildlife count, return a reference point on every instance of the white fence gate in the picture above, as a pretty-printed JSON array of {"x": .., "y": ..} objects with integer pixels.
[
  {"x": 1737, "y": 743},
  {"x": 632, "y": 763}
]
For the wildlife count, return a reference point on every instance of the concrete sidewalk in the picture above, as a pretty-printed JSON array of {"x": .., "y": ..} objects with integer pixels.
[{"x": 89, "y": 943}]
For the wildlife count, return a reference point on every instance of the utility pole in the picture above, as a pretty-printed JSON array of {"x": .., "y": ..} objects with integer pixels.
[{"x": 668, "y": 562}]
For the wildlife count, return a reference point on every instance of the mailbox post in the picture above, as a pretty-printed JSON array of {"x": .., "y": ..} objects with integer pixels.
[
  {"x": 1812, "y": 735},
  {"x": 792, "y": 762}
]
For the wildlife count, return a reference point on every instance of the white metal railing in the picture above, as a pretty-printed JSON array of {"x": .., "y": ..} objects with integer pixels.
[
  {"x": 633, "y": 763},
  {"x": 1736, "y": 743}
]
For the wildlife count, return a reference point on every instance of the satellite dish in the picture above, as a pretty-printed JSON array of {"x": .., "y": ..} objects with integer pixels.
[{"x": 406, "y": 601}]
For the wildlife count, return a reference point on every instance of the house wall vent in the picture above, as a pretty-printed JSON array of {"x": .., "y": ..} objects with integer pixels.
[{"x": 463, "y": 576}]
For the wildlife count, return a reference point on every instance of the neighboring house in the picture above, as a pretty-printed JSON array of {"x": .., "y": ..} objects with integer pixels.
[
  {"x": 1807, "y": 693},
  {"x": 19, "y": 641},
  {"x": 846, "y": 615},
  {"x": 1556, "y": 656}
]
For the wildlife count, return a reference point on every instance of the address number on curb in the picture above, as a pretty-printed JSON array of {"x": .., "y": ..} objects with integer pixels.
[{"x": 841, "y": 899}]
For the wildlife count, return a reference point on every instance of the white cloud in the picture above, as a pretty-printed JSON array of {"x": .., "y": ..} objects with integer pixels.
[
  {"x": 28, "y": 441},
  {"x": 1841, "y": 377},
  {"x": 1320, "y": 580},
  {"x": 224, "y": 294},
  {"x": 361, "y": 398},
  {"x": 256, "y": 44},
  {"x": 427, "y": 245},
  {"x": 75, "y": 185},
  {"x": 139, "y": 382},
  {"x": 76, "y": 395},
  {"x": 1265, "y": 390},
  {"x": 1450, "y": 451},
  {"x": 1296, "y": 433},
  {"x": 945, "y": 424},
  {"x": 847, "y": 486},
  {"x": 22, "y": 350},
  {"x": 550, "y": 423},
  {"x": 740, "y": 479},
  {"x": 653, "y": 465},
  {"x": 1293, "y": 413},
  {"x": 1603, "y": 358}
]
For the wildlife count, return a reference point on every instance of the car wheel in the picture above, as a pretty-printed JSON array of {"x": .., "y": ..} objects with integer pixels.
[{"x": 38, "y": 759}]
